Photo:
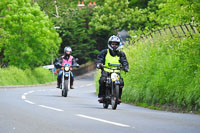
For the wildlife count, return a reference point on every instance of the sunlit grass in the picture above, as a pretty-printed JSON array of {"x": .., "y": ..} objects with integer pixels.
[{"x": 15, "y": 76}]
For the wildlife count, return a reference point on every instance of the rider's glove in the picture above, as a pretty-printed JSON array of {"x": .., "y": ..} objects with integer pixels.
[
  {"x": 99, "y": 65},
  {"x": 126, "y": 69}
]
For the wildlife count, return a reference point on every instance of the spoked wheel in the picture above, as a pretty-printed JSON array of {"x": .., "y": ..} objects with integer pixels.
[
  {"x": 115, "y": 97},
  {"x": 65, "y": 90}
]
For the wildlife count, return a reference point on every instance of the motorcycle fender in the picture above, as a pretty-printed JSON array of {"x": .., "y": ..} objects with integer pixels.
[{"x": 117, "y": 82}]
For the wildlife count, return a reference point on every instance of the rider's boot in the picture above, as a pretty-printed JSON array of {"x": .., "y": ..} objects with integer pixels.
[
  {"x": 119, "y": 101},
  {"x": 72, "y": 83}
]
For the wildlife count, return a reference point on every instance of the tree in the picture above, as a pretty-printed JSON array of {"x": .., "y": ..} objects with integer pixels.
[
  {"x": 3, "y": 41},
  {"x": 115, "y": 16},
  {"x": 73, "y": 23},
  {"x": 138, "y": 3},
  {"x": 32, "y": 39},
  {"x": 174, "y": 12}
]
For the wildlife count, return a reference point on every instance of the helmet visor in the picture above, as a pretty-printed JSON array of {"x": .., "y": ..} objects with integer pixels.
[{"x": 114, "y": 44}]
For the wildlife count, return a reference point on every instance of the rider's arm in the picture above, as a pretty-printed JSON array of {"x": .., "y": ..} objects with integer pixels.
[
  {"x": 101, "y": 56},
  {"x": 74, "y": 61},
  {"x": 123, "y": 60},
  {"x": 57, "y": 61}
]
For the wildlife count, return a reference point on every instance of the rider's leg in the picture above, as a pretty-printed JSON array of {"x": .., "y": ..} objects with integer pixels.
[
  {"x": 59, "y": 79},
  {"x": 72, "y": 81},
  {"x": 101, "y": 87},
  {"x": 120, "y": 88}
]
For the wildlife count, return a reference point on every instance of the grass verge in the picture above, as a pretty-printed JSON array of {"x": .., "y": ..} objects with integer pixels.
[{"x": 16, "y": 76}]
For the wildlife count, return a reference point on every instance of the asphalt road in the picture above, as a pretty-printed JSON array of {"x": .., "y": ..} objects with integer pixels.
[{"x": 41, "y": 109}]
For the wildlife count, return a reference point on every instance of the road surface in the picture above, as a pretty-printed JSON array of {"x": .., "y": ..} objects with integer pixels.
[{"x": 41, "y": 109}]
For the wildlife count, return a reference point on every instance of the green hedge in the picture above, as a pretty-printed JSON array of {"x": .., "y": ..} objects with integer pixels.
[
  {"x": 16, "y": 76},
  {"x": 165, "y": 71}
]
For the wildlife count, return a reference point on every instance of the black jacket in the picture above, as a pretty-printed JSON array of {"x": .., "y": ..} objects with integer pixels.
[{"x": 101, "y": 57}]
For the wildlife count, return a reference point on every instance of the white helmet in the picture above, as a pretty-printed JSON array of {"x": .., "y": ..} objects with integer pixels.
[
  {"x": 67, "y": 49},
  {"x": 116, "y": 39}
]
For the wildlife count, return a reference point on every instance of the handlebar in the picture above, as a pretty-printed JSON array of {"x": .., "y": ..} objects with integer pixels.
[
  {"x": 118, "y": 68},
  {"x": 77, "y": 65}
]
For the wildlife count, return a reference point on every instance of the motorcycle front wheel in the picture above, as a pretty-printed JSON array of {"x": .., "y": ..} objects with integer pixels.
[
  {"x": 65, "y": 90},
  {"x": 115, "y": 97}
]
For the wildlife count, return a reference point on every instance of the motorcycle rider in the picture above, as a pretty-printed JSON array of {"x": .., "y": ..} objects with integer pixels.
[
  {"x": 111, "y": 55},
  {"x": 67, "y": 58}
]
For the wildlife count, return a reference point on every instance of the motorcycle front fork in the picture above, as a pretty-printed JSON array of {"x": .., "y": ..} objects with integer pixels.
[{"x": 63, "y": 79}]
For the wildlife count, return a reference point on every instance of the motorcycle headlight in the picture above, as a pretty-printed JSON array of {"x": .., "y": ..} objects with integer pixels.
[
  {"x": 114, "y": 76},
  {"x": 66, "y": 68}
]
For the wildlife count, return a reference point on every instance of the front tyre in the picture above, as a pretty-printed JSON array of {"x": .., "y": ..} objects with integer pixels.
[
  {"x": 115, "y": 97},
  {"x": 66, "y": 88}
]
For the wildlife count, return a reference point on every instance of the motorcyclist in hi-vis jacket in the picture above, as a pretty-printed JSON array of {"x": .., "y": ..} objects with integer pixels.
[
  {"x": 111, "y": 55},
  {"x": 67, "y": 58}
]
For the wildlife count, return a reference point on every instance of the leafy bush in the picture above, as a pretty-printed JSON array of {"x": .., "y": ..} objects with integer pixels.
[
  {"x": 29, "y": 39},
  {"x": 97, "y": 77}
]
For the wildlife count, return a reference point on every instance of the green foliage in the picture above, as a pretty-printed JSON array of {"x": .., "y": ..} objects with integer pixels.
[
  {"x": 3, "y": 40},
  {"x": 74, "y": 32},
  {"x": 88, "y": 29},
  {"x": 97, "y": 77},
  {"x": 165, "y": 72},
  {"x": 32, "y": 39},
  {"x": 138, "y": 3},
  {"x": 174, "y": 12},
  {"x": 16, "y": 76},
  {"x": 115, "y": 15}
]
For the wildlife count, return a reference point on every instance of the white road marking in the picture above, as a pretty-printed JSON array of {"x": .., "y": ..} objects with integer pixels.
[
  {"x": 51, "y": 108},
  {"x": 29, "y": 102},
  {"x": 101, "y": 120},
  {"x": 23, "y": 97}
]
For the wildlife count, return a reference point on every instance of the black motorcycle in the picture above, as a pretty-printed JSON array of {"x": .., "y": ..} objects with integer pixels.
[{"x": 112, "y": 86}]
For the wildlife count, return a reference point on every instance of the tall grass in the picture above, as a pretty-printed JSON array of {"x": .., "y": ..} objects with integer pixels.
[
  {"x": 96, "y": 78},
  {"x": 15, "y": 76},
  {"x": 165, "y": 71}
]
